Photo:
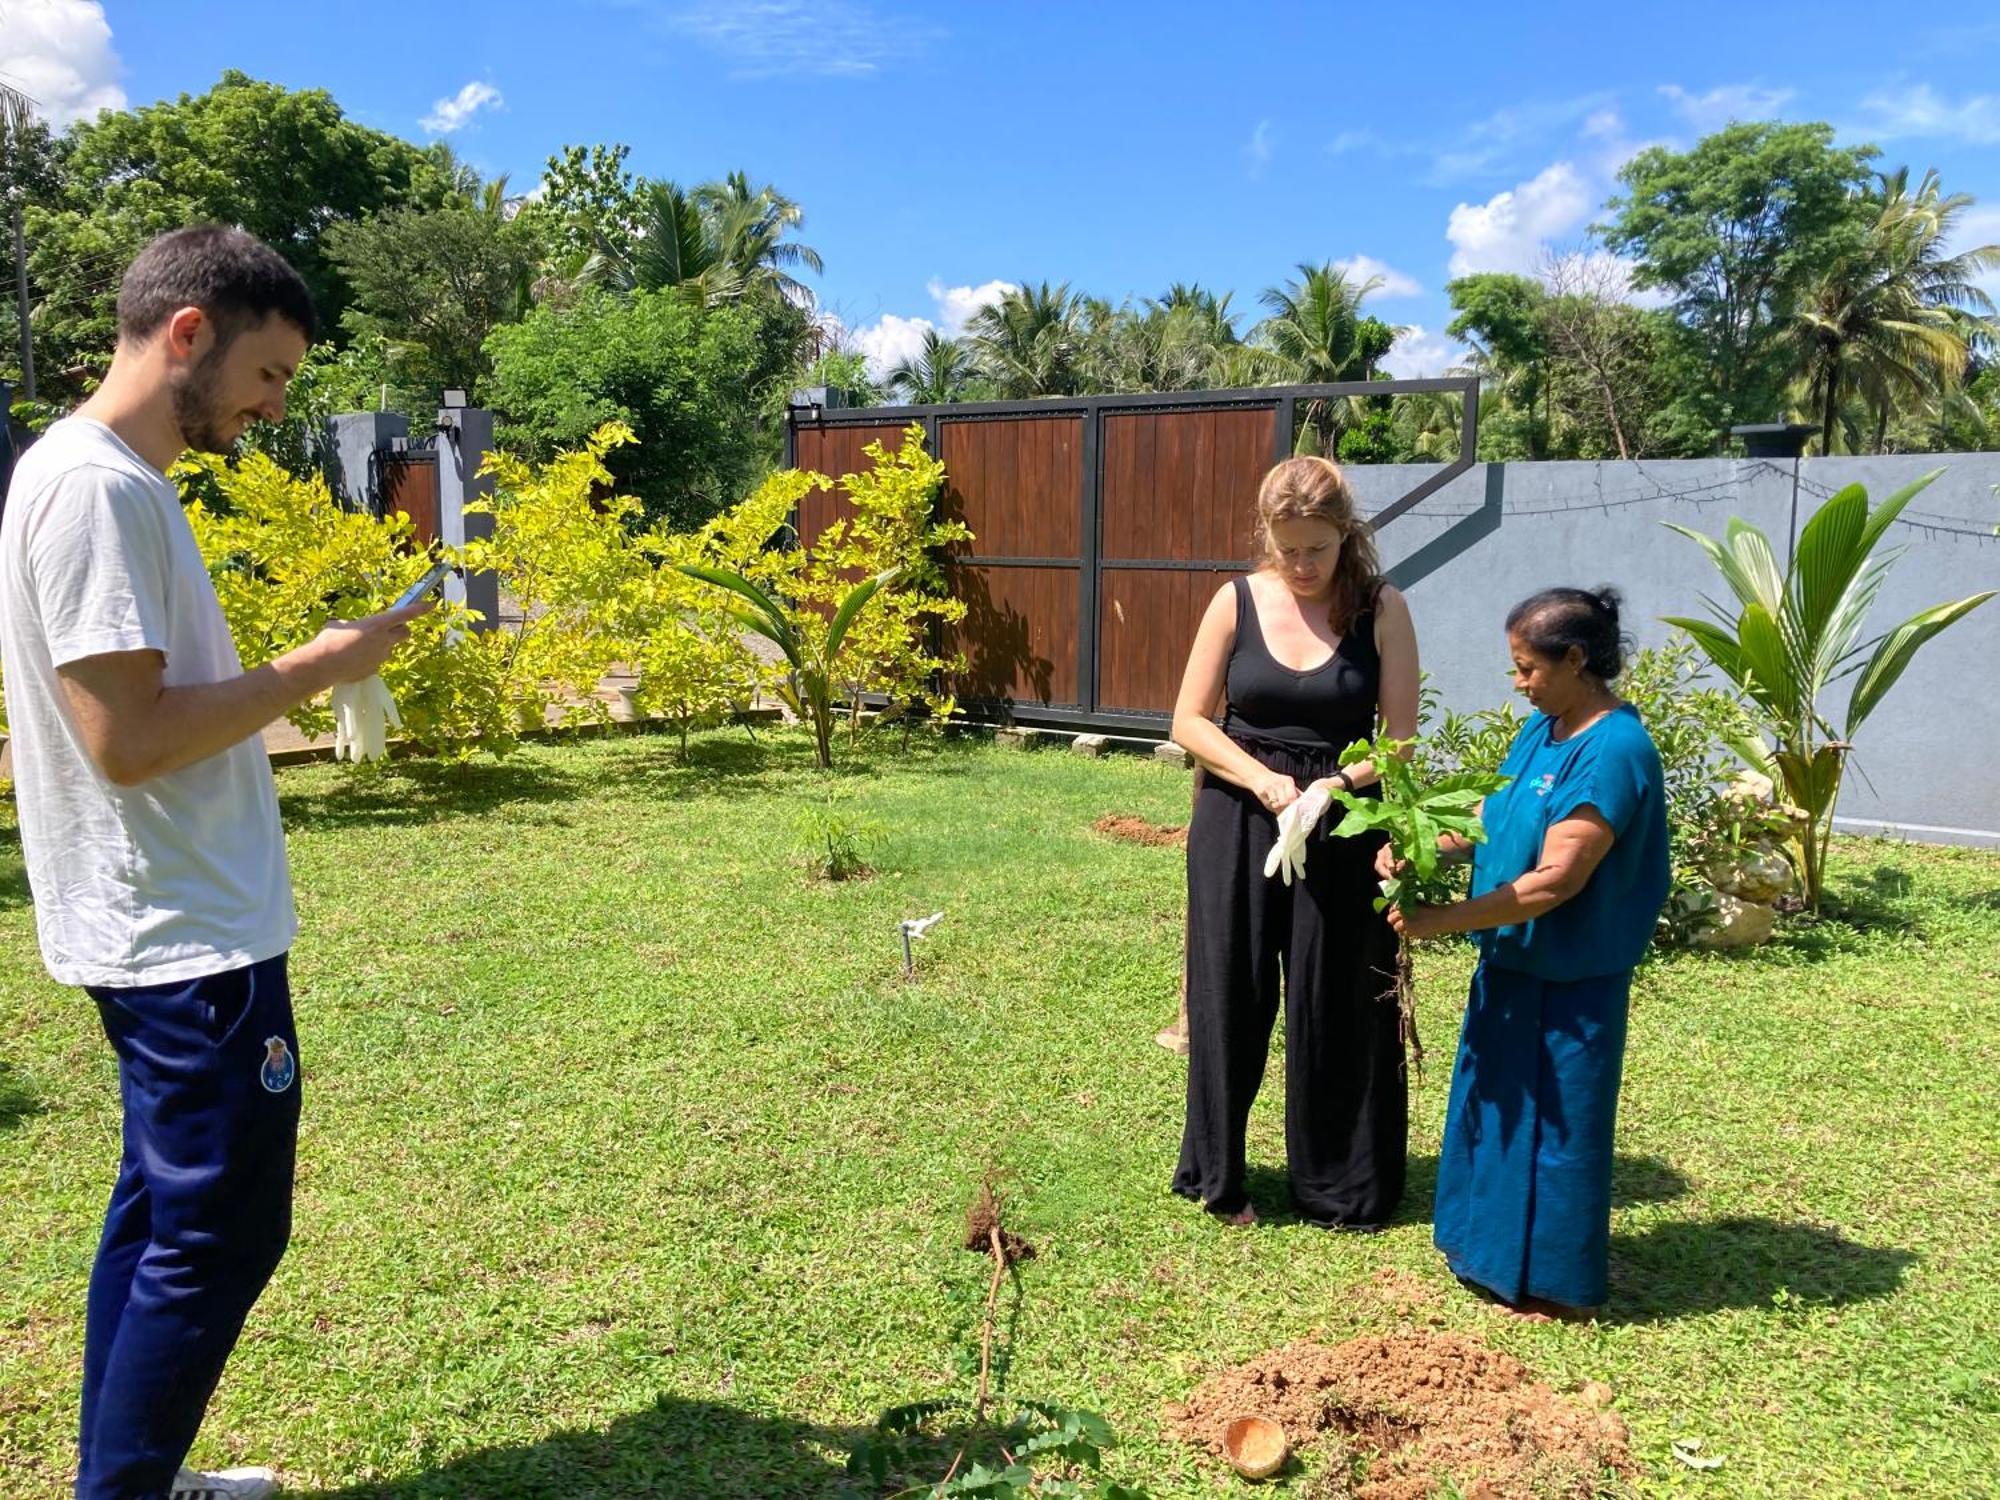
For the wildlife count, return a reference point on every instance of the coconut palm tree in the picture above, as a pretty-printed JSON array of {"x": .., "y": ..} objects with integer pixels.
[
  {"x": 1029, "y": 342},
  {"x": 749, "y": 227},
  {"x": 938, "y": 373},
  {"x": 1890, "y": 322},
  {"x": 722, "y": 240},
  {"x": 1317, "y": 334}
]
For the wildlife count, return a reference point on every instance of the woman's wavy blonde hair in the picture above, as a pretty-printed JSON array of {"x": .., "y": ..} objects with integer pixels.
[{"x": 1311, "y": 488}]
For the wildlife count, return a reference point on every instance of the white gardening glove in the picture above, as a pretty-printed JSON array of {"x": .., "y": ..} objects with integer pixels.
[
  {"x": 1295, "y": 826},
  {"x": 363, "y": 714}
]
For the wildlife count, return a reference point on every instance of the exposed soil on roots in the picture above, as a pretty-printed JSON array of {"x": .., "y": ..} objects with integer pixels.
[
  {"x": 983, "y": 1218},
  {"x": 1138, "y": 831},
  {"x": 1392, "y": 1417}
]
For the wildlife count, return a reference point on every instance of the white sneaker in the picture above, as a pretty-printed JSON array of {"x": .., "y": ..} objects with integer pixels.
[{"x": 224, "y": 1484}]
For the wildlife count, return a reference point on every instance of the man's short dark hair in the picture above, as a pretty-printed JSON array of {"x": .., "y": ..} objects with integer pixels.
[{"x": 234, "y": 277}]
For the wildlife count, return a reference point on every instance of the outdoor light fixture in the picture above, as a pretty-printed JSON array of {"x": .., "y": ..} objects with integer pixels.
[
  {"x": 1779, "y": 440},
  {"x": 1774, "y": 439},
  {"x": 454, "y": 398}
]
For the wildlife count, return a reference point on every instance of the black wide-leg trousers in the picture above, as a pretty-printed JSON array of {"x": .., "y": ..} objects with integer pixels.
[{"x": 1322, "y": 944}]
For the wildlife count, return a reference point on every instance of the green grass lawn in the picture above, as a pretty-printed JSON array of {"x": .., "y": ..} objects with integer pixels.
[{"x": 632, "y": 1166}]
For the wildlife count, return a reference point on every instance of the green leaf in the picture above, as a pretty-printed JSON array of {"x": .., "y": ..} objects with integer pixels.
[
  {"x": 1717, "y": 643},
  {"x": 851, "y": 606},
  {"x": 1758, "y": 565},
  {"x": 1894, "y": 654},
  {"x": 777, "y": 629},
  {"x": 1768, "y": 669},
  {"x": 1886, "y": 513},
  {"x": 1829, "y": 555}
]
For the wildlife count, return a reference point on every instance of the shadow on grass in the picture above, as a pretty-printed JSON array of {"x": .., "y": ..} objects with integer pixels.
[
  {"x": 13, "y": 877},
  {"x": 674, "y": 1450},
  {"x": 1686, "y": 1269},
  {"x": 1860, "y": 909},
  {"x": 1634, "y": 1180},
  {"x": 416, "y": 791},
  {"x": 18, "y": 1099}
]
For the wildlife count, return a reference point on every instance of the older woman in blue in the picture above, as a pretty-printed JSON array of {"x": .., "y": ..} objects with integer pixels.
[{"x": 1564, "y": 897}]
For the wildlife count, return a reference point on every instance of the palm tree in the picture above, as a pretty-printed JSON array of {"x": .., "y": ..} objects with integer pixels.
[
  {"x": 1317, "y": 335},
  {"x": 749, "y": 228},
  {"x": 939, "y": 373},
  {"x": 1029, "y": 342},
  {"x": 723, "y": 241},
  {"x": 1891, "y": 321}
]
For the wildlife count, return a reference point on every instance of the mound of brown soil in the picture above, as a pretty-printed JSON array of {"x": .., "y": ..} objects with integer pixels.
[
  {"x": 1419, "y": 1408},
  {"x": 1138, "y": 830}
]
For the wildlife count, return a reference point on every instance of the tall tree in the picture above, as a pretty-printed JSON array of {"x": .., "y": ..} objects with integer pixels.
[
  {"x": 1500, "y": 316},
  {"x": 939, "y": 372},
  {"x": 694, "y": 382},
  {"x": 1029, "y": 342},
  {"x": 433, "y": 284},
  {"x": 1734, "y": 229},
  {"x": 1888, "y": 323},
  {"x": 284, "y": 164},
  {"x": 722, "y": 241},
  {"x": 1317, "y": 334}
]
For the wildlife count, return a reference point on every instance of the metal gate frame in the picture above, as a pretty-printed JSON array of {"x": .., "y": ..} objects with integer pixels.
[{"x": 1283, "y": 400}]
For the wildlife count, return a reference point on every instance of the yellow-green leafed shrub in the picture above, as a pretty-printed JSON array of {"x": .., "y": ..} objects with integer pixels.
[{"x": 286, "y": 559}]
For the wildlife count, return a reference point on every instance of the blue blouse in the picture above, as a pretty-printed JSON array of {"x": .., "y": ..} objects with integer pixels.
[{"x": 1613, "y": 767}]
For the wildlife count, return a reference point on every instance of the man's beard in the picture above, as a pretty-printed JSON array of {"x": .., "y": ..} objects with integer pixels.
[{"x": 197, "y": 411}]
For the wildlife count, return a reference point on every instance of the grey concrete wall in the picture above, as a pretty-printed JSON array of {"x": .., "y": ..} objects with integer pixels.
[{"x": 1926, "y": 763}]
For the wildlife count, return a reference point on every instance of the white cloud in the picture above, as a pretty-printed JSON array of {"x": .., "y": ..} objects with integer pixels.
[
  {"x": 1510, "y": 231},
  {"x": 59, "y": 53},
  {"x": 1258, "y": 152},
  {"x": 1351, "y": 140},
  {"x": 1394, "y": 283},
  {"x": 832, "y": 38},
  {"x": 1605, "y": 124},
  {"x": 1919, "y": 110},
  {"x": 1726, "y": 104},
  {"x": 454, "y": 113},
  {"x": 1497, "y": 140},
  {"x": 1419, "y": 354},
  {"x": 1975, "y": 227},
  {"x": 957, "y": 304},
  {"x": 893, "y": 338}
]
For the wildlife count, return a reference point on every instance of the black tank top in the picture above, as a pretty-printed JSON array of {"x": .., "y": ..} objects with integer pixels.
[{"x": 1327, "y": 707}]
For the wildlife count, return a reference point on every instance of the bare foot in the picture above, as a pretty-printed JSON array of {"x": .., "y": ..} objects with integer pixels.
[
  {"x": 1243, "y": 1218},
  {"x": 1173, "y": 1038}
]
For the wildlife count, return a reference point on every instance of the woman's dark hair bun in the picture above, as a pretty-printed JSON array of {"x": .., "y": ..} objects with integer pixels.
[{"x": 1556, "y": 619}]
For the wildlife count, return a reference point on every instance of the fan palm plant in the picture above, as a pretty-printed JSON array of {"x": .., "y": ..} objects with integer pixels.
[
  {"x": 811, "y": 648},
  {"x": 1793, "y": 636}
]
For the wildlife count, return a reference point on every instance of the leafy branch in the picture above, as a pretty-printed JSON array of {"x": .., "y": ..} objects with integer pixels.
[{"x": 1413, "y": 815}]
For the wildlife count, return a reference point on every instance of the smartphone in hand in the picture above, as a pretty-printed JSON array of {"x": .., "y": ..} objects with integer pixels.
[{"x": 434, "y": 576}]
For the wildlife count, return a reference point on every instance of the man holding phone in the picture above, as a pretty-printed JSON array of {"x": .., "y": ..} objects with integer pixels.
[{"x": 149, "y": 822}]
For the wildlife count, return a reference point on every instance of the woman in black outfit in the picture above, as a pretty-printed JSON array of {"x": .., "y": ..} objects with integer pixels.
[{"x": 1310, "y": 653}]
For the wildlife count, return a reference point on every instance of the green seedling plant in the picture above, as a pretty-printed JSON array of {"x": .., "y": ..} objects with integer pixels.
[
  {"x": 812, "y": 647},
  {"x": 1793, "y": 635},
  {"x": 1414, "y": 814}
]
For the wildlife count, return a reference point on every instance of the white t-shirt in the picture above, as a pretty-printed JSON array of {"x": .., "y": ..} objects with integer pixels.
[{"x": 182, "y": 875}]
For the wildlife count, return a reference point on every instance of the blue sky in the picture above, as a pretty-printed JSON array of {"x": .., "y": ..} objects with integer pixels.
[{"x": 942, "y": 150}]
